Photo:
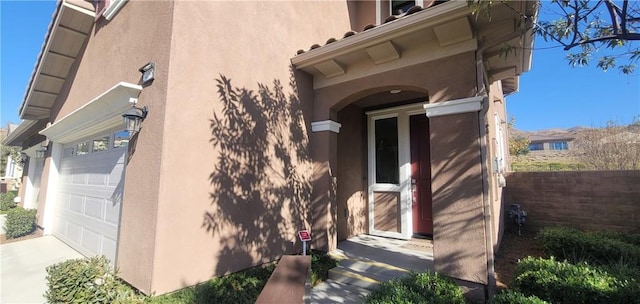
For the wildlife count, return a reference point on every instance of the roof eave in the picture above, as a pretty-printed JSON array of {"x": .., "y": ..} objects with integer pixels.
[
  {"x": 426, "y": 18},
  {"x": 73, "y": 7}
]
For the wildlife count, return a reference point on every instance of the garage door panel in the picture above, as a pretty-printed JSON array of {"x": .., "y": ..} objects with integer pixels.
[
  {"x": 115, "y": 174},
  {"x": 112, "y": 213},
  {"x": 78, "y": 176},
  {"x": 93, "y": 207},
  {"x": 88, "y": 210},
  {"x": 74, "y": 203},
  {"x": 96, "y": 179},
  {"x": 78, "y": 219},
  {"x": 91, "y": 240},
  {"x": 109, "y": 245},
  {"x": 90, "y": 191},
  {"x": 73, "y": 231}
]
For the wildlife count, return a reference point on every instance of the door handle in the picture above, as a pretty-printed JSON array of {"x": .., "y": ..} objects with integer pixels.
[{"x": 414, "y": 183}]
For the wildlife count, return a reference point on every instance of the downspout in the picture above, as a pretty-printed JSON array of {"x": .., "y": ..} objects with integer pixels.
[
  {"x": 482, "y": 86},
  {"x": 481, "y": 89}
]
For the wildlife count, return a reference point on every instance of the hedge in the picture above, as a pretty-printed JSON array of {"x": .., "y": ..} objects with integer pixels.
[
  {"x": 422, "y": 287},
  {"x": 87, "y": 280},
  {"x": 20, "y": 222},
  {"x": 564, "y": 282},
  {"x": 514, "y": 297},
  {"x": 6, "y": 201},
  {"x": 595, "y": 247}
]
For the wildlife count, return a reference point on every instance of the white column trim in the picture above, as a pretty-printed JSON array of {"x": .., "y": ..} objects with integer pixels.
[
  {"x": 325, "y": 125},
  {"x": 457, "y": 106},
  {"x": 52, "y": 188},
  {"x": 28, "y": 190}
]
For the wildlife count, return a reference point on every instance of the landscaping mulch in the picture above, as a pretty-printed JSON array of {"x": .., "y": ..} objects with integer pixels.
[
  {"x": 35, "y": 234},
  {"x": 513, "y": 248}
]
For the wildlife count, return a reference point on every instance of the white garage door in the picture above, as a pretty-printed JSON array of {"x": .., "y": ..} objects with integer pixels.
[{"x": 89, "y": 196}]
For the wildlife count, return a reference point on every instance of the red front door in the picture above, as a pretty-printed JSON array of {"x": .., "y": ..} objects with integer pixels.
[{"x": 421, "y": 175}]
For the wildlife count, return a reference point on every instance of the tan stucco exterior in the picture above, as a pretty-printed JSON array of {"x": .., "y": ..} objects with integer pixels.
[
  {"x": 210, "y": 221},
  {"x": 226, "y": 168}
]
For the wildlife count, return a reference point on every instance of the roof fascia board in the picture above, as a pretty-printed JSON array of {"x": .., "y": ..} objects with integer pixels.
[
  {"x": 20, "y": 130},
  {"x": 434, "y": 15}
]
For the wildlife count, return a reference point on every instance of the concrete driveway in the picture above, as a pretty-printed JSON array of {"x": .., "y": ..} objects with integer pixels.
[{"x": 23, "y": 267}]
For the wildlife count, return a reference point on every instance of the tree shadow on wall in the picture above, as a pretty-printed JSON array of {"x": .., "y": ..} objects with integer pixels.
[{"x": 261, "y": 181}]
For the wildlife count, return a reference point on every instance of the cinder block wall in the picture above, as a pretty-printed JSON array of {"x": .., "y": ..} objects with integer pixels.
[{"x": 591, "y": 200}]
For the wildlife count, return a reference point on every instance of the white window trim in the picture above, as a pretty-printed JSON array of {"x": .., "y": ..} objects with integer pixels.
[{"x": 380, "y": 9}]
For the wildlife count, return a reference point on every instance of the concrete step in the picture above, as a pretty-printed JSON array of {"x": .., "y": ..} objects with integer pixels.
[
  {"x": 331, "y": 291},
  {"x": 364, "y": 273}
]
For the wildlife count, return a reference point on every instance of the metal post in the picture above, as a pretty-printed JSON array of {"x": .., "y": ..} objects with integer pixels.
[{"x": 304, "y": 248}]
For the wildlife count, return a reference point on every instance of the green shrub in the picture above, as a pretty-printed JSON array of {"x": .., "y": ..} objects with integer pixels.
[
  {"x": 239, "y": 287},
  {"x": 422, "y": 287},
  {"x": 321, "y": 263},
  {"x": 87, "y": 280},
  {"x": 20, "y": 222},
  {"x": 514, "y": 297},
  {"x": 596, "y": 247},
  {"x": 6, "y": 201},
  {"x": 563, "y": 282}
]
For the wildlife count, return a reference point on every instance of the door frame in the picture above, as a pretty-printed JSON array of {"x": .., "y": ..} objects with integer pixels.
[{"x": 404, "y": 163}]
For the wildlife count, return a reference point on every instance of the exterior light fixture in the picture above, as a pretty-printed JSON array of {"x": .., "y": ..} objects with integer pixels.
[
  {"x": 395, "y": 91},
  {"x": 148, "y": 73},
  {"x": 133, "y": 119},
  {"x": 40, "y": 152}
]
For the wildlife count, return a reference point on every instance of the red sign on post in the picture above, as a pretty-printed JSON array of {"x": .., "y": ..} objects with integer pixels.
[{"x": 304, "y": 235}]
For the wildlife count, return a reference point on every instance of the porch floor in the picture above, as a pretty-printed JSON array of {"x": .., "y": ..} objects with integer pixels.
[{"x": 365, "y": 261}]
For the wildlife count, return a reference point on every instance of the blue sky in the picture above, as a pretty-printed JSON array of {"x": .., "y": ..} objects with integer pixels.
[{"x": 552, "y": 94}]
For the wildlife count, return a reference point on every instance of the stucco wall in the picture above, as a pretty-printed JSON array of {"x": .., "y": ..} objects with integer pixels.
[
  {"x": 352, "y": 173},
  {"x": 364, "y": 13},
  {"x": 459, "y": 234},
  {"x": 114, "y": 51},
  {"x": 458, "y": 82},
  {"x": 236, "y": 164},
  {"x": 497, "y": 106}
]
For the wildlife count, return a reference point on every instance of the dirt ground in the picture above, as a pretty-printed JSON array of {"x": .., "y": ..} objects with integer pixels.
[
  {"x": 35, "y": 234},
  {"x": 513, "y": 248}
]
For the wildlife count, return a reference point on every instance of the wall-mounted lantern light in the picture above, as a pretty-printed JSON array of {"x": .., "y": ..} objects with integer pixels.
[
  {"x": 40, "y": 152},
  {"x": 148, "y": 73},
  {"x": 133, "y": 119}
]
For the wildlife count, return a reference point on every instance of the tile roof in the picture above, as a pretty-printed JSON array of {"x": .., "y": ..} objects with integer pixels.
[{"x": 370, "y": 26}]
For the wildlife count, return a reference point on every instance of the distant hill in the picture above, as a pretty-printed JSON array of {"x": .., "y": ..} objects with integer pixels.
[
  {"x": 574, "y": 132},
  {"x": 560, "y": 156},
  {"x": 571, "y": 132}
]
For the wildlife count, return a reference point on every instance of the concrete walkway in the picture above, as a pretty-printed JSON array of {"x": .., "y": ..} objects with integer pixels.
[
  {"x": 23, "y": 267},
  {"x": 364, "y": 262}
]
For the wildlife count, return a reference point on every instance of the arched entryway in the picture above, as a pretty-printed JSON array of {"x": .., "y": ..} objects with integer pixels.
[{"x": 383, "y": 165}]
